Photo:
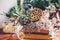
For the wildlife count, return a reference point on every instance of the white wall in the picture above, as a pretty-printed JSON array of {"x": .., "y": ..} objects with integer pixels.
[{"x": 5, "y": 5}]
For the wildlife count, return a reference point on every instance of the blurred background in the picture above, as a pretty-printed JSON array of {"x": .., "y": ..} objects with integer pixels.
[{"x": 5, "y": 6}]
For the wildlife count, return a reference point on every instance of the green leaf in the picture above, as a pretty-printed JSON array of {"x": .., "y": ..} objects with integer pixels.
[{"x": 11, "y": 11}]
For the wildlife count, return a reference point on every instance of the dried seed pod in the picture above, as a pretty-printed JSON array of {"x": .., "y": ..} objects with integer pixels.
[{"x": 35, "y": 14}]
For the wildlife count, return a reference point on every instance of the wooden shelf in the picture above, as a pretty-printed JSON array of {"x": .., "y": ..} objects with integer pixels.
[
  {"x": 35, "y": 36},
  {"x": 42, "y": 31}
]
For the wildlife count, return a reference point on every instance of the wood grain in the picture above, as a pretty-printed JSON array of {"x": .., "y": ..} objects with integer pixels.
[
  {"x": 35, "y": 36},
  {"x": 7, "y": 37}
]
